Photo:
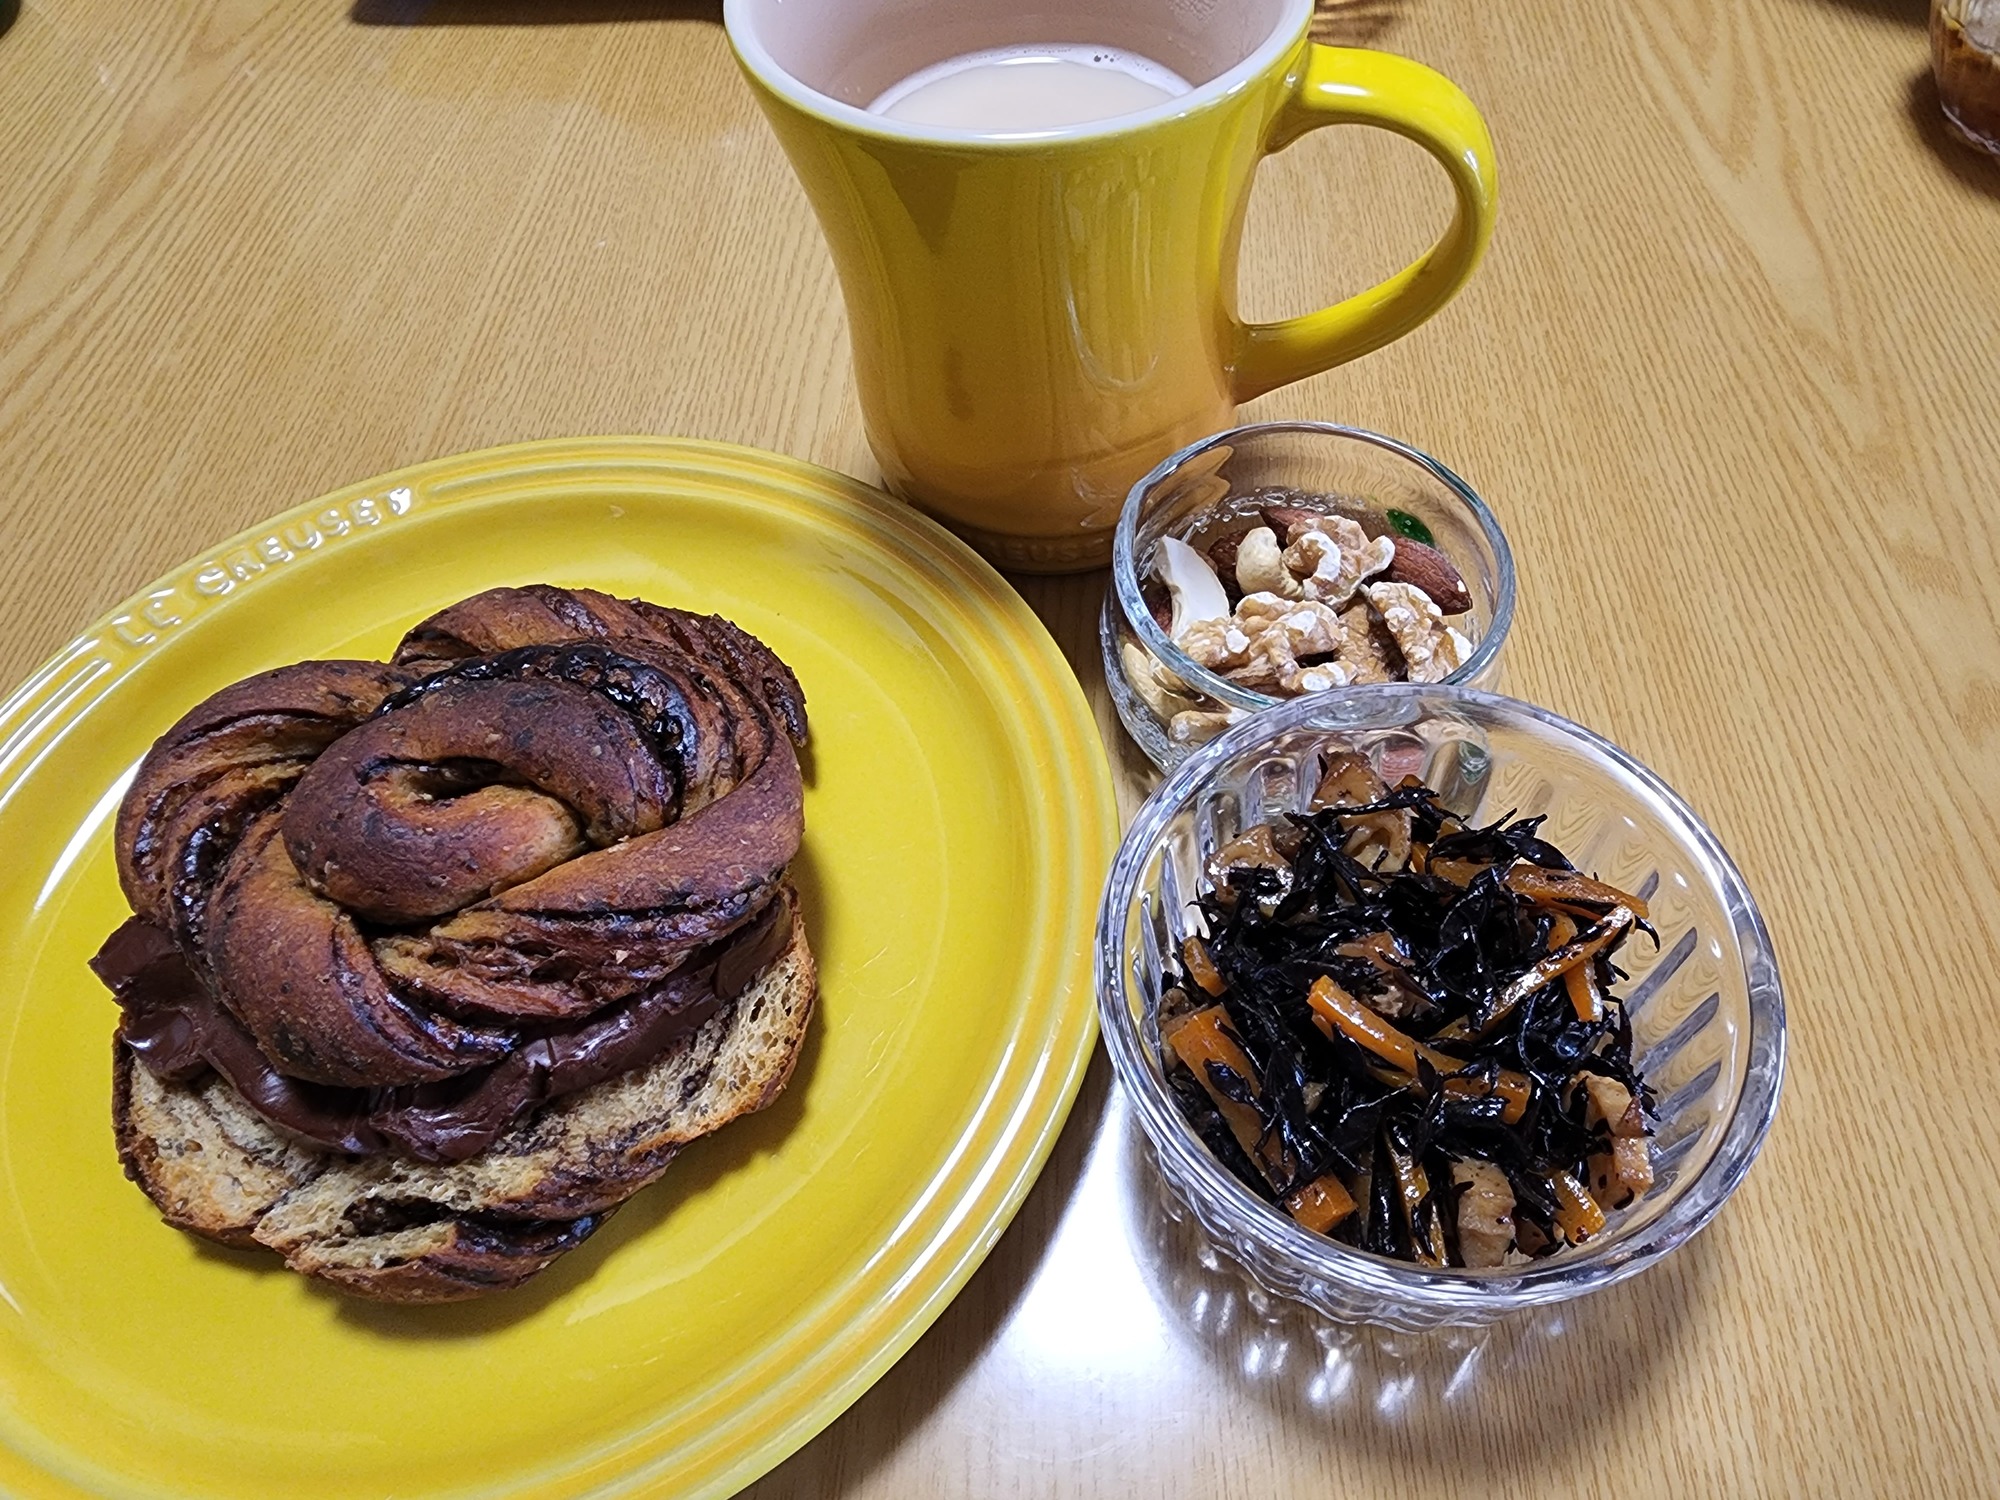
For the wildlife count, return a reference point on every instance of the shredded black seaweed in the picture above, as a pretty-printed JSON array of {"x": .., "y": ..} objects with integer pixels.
[{"x": 1331, "y": 1103}]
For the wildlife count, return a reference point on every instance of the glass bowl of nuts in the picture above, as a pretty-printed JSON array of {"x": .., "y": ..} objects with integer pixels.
[
  {"x": 1434, "y": 1006},
  {"x": 1278, "y": 560}
]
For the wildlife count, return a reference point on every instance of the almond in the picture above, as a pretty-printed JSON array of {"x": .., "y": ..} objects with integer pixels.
[
  {"x": 1222, "y": 552},
  {"x": 1430, "y": 570}
]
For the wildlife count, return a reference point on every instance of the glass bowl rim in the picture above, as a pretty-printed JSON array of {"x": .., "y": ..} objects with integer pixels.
[
  {"x": 1125, "y": 572},
  {"x": 1449, "y": 1289}
]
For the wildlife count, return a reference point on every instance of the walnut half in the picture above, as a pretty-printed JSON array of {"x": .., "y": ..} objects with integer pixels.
[{"x": 1431, "y": 649}]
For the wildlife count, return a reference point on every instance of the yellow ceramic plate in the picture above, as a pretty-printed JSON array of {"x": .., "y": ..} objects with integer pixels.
[{"x": 958, "y": 821}]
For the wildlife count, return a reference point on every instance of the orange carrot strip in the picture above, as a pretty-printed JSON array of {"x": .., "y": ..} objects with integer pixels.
[
  {"x": 1459, "y": 872},
  {"x": 1561, "y": 960},
  {"x": 1548, "y": 969},
  {"x": 1585, "y": 916},
  {"x": 1200, "y": 1039},
  {"x": 1577, "y": 1214},
  {"x": 1201, "y": 968},
  {"x": 1568, "y": 886},
  {"x": 1334, "y": 1009},
  {"x": 1584, "y": 994},
  {"x": 1320, "y": 1204},
  {"x": 1512, "y": 1087}
]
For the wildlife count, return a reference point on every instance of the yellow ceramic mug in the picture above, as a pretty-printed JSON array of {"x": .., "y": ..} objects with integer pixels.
[{"x": 1039, "y": 319}]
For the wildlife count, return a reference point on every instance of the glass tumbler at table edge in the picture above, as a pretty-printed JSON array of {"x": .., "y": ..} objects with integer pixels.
[
  {"x": 1965, "y": 59},
  {"x": 1039, "y": 318},
  {"x": 1220, "y": 479}
]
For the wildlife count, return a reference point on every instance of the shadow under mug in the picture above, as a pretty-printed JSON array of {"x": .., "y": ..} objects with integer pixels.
[{"x": 1039, "y": 318}]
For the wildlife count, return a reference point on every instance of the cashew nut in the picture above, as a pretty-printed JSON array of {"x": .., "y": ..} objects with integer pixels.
[
  {"x": 1260, "y": 565},
  {"x": 1162, "y": 692},
  {"x": 1199, "y": 726}
]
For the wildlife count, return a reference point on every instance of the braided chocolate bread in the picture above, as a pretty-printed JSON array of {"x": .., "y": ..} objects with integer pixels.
[{"x": 434, "y": 962}]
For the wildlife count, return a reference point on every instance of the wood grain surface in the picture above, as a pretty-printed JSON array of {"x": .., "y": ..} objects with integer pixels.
[{"x": 1731, "y": 377}]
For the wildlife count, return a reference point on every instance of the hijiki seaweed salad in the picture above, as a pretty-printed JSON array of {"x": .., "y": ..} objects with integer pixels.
[{"x": 1402, "y": 1029}]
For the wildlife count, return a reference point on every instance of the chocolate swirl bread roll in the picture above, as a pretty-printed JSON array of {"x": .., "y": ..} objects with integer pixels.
[{"x": 435, "y": 962}]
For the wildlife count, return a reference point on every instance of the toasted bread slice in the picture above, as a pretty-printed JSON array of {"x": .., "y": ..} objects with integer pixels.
[{"x": 405, "y": 1231}]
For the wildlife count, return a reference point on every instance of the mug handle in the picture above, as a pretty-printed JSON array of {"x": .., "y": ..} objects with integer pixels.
[{"x": 1354, "y": 86}]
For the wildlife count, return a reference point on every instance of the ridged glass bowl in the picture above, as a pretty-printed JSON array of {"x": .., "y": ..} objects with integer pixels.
[{"x": 1707, "y": 1012}]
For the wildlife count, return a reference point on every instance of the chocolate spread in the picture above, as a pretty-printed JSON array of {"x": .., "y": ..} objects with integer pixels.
[{"x": 179, "y": 1031}]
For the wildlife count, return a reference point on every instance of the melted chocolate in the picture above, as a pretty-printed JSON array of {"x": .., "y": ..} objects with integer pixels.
[{"x": 178, "y": 1030}]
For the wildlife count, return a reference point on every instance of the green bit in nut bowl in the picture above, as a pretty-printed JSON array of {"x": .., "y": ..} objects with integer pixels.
[{"x": 1404, "y": 1030}]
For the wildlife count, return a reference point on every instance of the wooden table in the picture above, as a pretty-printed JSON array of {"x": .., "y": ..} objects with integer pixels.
[{"x": 1731, "y": 376}]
